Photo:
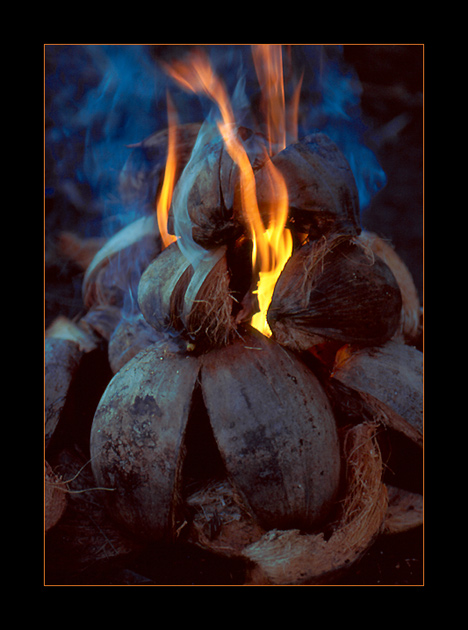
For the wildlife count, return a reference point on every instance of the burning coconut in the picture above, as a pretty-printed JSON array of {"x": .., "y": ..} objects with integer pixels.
[{"x": 253, "y": 383}]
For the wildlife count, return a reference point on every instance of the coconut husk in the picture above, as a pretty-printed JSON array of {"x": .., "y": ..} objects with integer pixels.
[
  {"x": 156, "y": 289},
  {"x": 410, "y": 319},
  {"x": 291, "y": 557},
  {"x": 102, "y": 320},
  {"x": 85, "y": 535},
  {"x": 275, "y": 430},
  {"x": 220, "y": 521},
  {"x": 173, "y": 295},
  {"x": 62, "y": 358},
  {"x": 137, "y": 440},
  {"x": 143, "y": 172},
  {"x": 79, "y": 250},
  {"x": 132, "y": 335},
  {"x": 405, "y": 511},
  {"x": 118, "y": 265},
  {"x": 387, "y": 381},
  {"x": 334, "y": 289},
  {"x": 55, "y": 499},
  {"x": 205, "y": 204},
  {"x": 64, "y": 328},
  {"x": 322, "y": 192}
]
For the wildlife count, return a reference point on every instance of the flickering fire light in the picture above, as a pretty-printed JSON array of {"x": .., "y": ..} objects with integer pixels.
[
  {"x": 165, "y": 197},
  {"x": 272, "y": 242}
]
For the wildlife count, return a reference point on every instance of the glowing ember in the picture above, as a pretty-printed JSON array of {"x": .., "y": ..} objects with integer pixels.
[
  {"x": 342, "y": 356},
  {"x": 272, "y": 242}
]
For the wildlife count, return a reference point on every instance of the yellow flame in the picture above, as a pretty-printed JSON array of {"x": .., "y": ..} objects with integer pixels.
[
  {"x": 272, "y": 243},
  {"x": 164, "y": 200}
]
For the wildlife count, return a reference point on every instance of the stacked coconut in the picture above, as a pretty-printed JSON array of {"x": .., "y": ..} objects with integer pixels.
[{"x": 265, "y": 448}]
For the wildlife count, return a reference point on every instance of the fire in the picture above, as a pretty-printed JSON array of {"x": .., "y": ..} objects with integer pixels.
[
  {"x": 342, "y": 356},
  {"x": 164, "y": 201},
  {"x": 272, "y": 242}
]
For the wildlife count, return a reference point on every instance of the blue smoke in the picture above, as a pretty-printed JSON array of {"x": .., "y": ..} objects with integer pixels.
[
  {"x": 332, "y": 98},
  {"x": 99, "y": 100},
  {"x": 102, "y": 98}
]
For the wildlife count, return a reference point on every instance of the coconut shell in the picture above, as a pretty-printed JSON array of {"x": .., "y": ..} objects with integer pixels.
[
  {"x": 220, "y": 522},
  {"x": 334, "y": 289},
  {"x": 405, "y": 511},
  {"x": 157, "y": 286},
  {"x": 137, "y": 440},
  {"x": 274, "y": 429},
  {"x": 322, "y": 191}
]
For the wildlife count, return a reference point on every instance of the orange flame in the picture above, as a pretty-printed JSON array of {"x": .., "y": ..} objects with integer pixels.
[
  {"x": 272, "y": 244},
  {"x": 164, "y": 200}
]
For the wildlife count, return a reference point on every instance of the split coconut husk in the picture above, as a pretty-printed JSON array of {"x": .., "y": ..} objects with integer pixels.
[
  {"x": 85, "y": 535},
  {"x": 55, "y": 498},
  {"x": 271, "y": 423},
  {"x": 173, "y": 295},
  {"x": 62, "y": 357},
  {"x": 134, "y": 334},
  {"x": 116, "y": 268},
  {"x": 410, "y": 320},
  {"x": 137, "y": 440},
  {"x": 275, "y": 431},
  {"x": 405, "y": 510},
  {"x": 387, "y": 381},
  {"x": 143, "y": 172},
  {"x": 334, "y": 289},
  {"x": 204, "y": 203},
  {"x": 288, "y": 557},
  {"x": 322, "y": 192}
]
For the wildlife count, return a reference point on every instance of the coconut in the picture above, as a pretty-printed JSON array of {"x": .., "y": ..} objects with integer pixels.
[
  {"x": 197, "y": 302},
  {"x": 322, "y": 191},
  {"x": 137, "y": 440},
  {"x": 271, "y": 427},
  {"x": 410, "y": 319},
  {"x": 116, "y": 268},
  {"x": 275, "y": 430},
  {"x": 205, "y": 204},
  {"x": 289, "y": 557},
  {"x": 334, "y": 289}
]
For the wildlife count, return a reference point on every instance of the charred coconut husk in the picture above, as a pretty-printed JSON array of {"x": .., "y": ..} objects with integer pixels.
[{"x": 334, "y": 289}]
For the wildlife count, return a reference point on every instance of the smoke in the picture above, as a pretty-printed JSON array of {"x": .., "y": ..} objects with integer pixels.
[{"x": 100, "y": 99}]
